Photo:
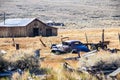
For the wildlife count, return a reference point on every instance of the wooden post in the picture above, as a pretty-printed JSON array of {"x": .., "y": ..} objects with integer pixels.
[
  {"x": 64, "y": 38},
  {"x": 79, "y": 54},
  {"x": 103, "y": 35},
  {"x": 119, "y": 37},
  {"x": 43, "y": 43},
  {"x": 13, "y": 41},
  {"x": 86, "y": 39},
  {"x": 17, "y": 46}
]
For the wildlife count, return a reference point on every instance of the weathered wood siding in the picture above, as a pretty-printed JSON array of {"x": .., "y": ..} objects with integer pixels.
[
  {"x": 12, "y": 31},
  {"x": 4, "y": 32},
  {"x": 42, "y": 28},
  {"x": 54, "y": 32},
  {"x": 35, "y": 24},
  {"x": 17, "y": 31},
  {"x": 24, "y": 31}
]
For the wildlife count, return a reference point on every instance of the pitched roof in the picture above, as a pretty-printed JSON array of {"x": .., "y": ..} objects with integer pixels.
[{"x": 16, "y": 22}]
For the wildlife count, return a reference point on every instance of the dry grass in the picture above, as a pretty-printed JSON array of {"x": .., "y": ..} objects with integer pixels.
[
  {"x": 103, "y": 56},
  {"x": 53, "y": 63}
]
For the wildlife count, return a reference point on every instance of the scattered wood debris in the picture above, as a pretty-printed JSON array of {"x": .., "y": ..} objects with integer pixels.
[
  {"x": 114, "y": 73},
  {"x": 67, "y": 67},
  {"x": 42, "y": 42},
  {"x": 2, "y": 52},
  {"x": 89, "y": 53}
]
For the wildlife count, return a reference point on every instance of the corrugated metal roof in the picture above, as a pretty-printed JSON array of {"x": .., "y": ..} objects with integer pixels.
[{"x": 16, "y": 22}]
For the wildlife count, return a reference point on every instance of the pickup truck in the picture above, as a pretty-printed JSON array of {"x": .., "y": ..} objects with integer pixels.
[{"x": 68, "y": 46}]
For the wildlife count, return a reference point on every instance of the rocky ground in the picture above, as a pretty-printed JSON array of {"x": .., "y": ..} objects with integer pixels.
[{"x": 73, "y": 13}]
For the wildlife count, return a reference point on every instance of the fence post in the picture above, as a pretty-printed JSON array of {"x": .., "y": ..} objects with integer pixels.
[
  {"x": 17, "y": 46},
  {"x": 103, "y": 35},
  {"x": 86, "y": 39},
  {"x": 13, "y": 40},
  {"x": 42, "y": 42},
  {"x": 119, "y": 37}
]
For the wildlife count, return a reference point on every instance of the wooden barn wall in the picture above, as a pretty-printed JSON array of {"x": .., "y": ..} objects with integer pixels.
[
  {"x": 12, "y": 31},
  {"x": 4, "y": 32},
  {"x": 17, "y": 32},
  {"x": 42, "y": 28},
  {"x": 36, "y": 24},
  {"x": 27, "y": 30},
  {"x": 54, "y": 32}
]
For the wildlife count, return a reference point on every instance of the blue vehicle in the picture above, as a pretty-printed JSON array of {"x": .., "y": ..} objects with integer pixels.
[{"x": 73, "y": 46}]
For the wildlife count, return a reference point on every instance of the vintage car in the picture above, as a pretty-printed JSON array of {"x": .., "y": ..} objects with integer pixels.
[{"x": 68, "y": 46}]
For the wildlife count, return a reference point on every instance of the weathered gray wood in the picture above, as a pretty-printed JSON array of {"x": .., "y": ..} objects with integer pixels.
[
  {"x": 13, "y": 41},
  {"x": 17, "y": 46},
  {"x": 68, "y": 67},
  {"x": 103, "y": 35},
  {"x": 91, "y": 53},
  {"x": 43, "y": 43},
  {"x": 86, "y": 39},
  {"x": 11, "y": 28},
  {"x": 2, "y": 52},
  {"x": 119, "y": 37},
  {"x": 115, "y": 73},
  {"x": 64, "y": 38}
]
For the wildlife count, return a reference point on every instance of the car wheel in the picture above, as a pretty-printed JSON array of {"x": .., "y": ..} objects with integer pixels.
[
  {"x": 56, "y": 52},
  {"x": 74, "y": 51},
  {"x": 92, "y": 47}
]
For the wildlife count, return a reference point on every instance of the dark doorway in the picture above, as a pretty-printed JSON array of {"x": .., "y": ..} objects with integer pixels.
[
  {"x": 35, "y": 31},
  {"x": 48, "y": 32}
]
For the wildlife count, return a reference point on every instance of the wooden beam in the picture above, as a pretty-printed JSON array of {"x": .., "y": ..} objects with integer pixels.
[
  {"x": 103, "y": 35},
  {"x": 43, "y": 43},
  {"x": 68, "y": 67},
  {"x": 91, "y": 53},
  {"x": 64, "y": 38},
  {"x": 115, "y": 73},
  {"x": 119, "y": 37},
  {"x": 86, "y": 39},
  {"x": 13, "y": 41}
]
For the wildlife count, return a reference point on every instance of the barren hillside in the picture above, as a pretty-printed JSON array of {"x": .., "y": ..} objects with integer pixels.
[{"x": 74, "y": 13}]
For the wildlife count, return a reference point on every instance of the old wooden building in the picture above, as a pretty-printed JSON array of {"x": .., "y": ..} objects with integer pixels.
[{"x": 26, "y": 27}]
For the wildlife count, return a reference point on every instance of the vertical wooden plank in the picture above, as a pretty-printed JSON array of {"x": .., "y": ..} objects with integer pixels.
[
  {"x": 119, "y": 37},
  {"x": 86, "y": 39},
  {"x": 13, "y": 40},
  {"x": 103, "y": 35},
  {"x": 42, "y": 43}
]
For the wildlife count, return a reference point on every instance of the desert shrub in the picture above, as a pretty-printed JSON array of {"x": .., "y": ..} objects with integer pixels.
[
  {"x": 3, "y": 64},
  {"x": 27, "y": 63},
  {"x": 110, "y": 61},
  {"x": 101, "y": 65}
]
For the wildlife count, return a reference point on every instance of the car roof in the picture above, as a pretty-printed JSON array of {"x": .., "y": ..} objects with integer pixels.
[{"x": 70, "y": 41}]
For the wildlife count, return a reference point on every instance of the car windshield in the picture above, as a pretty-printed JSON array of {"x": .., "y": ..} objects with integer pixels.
[
  {"x": 77, "y": 43},
  {"x": 65, "y": 43}
]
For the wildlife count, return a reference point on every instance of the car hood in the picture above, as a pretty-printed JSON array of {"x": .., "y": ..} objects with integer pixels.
[{"x": 82, "y": 48}]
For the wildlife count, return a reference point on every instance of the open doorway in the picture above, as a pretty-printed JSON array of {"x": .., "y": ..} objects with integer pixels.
[
  {"x": 48, "y": 32},
  {"x": 35, "y": 31}
]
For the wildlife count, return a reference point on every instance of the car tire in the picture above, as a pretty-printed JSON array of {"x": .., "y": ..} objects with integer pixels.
[
  {"x": 74, "y": 51},
  {"x": 56, "y": 52},
  {"x": 93, "y": 47}
]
